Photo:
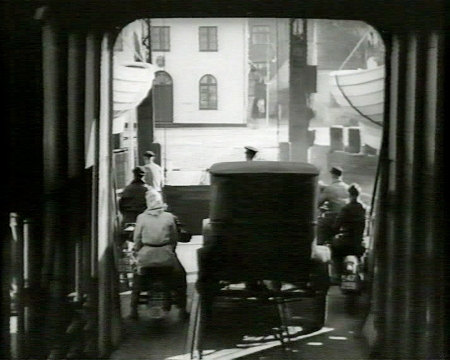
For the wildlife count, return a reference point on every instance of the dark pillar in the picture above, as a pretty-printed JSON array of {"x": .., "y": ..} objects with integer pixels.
[
  {"x": 105, "y": 200},
  {"x": 75, "y": 126},
  {"x": 354, "y": 140},
  {"x": 55, "y": 270},
  {"x": 411, "y": 256},
  {"x": 145, "y": 126},
  {"x": 301, "y": 84},
  {"x": 336, "y": 138},
  {"x": 91, "y": 114}
]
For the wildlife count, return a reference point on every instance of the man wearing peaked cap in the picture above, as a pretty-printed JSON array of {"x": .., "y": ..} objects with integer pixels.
[
  {"x": 337, "y": 171},
  {"x": 154, "y": 175},
  {"x": 336, "y": 193},
  {"x": 250, "y": 152},
  {"x": 139, "y": 171}
]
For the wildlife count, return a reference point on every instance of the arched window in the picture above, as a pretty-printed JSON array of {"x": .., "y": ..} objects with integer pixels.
[
  {"x": 162, "y": 78},
  {"x": 208, "y": 93}
]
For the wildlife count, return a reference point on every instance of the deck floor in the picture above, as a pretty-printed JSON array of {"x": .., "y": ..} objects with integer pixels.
[{"x": 240, "y": 333}]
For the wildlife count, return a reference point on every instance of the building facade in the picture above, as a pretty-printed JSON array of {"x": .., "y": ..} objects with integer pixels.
[{"x": 200, "y": 71}]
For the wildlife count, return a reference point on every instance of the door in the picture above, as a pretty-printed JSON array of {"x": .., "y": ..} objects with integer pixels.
[{"x": 163, "y": 98}]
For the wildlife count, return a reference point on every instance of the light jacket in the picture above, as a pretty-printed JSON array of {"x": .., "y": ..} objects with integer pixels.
[
  {"x": 336, "y": 194},
  {"x": 154, "y": 176},
  {"x": 155, "y": 235}
]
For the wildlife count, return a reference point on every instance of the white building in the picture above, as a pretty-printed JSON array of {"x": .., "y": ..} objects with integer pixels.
[{"x": 200, "y": 68}]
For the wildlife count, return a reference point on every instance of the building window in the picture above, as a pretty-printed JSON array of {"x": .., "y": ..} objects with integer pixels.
[
  {"x": 160, "y": 38},
  {"x": 208, "y": 93},
  {"x": 260, "y": 34},
  {"x": 207, "y": 36}
]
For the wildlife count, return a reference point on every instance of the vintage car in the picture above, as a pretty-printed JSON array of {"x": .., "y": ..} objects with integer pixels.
[{"x": 261, "y": 231}]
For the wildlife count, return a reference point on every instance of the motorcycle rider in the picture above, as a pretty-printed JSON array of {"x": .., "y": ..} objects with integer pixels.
[
  {"x": 155, "y": 238},
  {"x": 132, "y": 200},
  {"x": 349, "y": 224},
  {"x": 336, "y": 193}
]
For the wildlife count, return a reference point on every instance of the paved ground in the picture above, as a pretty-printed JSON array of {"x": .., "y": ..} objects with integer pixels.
[
  {"x": 147, "y": 340},
  {"x": 187, "y": 152}
]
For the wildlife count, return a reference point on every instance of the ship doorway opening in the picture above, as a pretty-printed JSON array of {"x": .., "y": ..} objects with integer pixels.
[{"x": 252, "y": 71}]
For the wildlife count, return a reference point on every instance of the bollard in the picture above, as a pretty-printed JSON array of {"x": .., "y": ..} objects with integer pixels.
[
  {"x": 284, "y": 151},
  {"x": 354, "y": 140},
  {"x": 336, "y": 138},
  {"x": 311, "y": 137}
]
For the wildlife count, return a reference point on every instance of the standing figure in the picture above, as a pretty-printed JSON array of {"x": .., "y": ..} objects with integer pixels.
[
  {"x": 250, "y": 152},
  {"x": 154, "y": 175},
  {"x": 132, "y": 201}
]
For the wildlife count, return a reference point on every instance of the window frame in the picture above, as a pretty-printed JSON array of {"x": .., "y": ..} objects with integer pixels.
[
  {"x": 207, "y": 86},
  {"x": 208, "y": 39},
  {"x": 161, "y": 41}
]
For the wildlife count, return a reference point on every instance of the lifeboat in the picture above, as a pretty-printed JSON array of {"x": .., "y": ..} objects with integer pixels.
[
  {"x": 132, "y": 82},
  {"x": 360, "y": 93}
]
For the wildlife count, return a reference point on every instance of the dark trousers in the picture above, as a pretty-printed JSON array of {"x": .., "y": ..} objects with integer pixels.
[
  {"x": 177, "y": 283},
  {"x": 325, "y": 228}
]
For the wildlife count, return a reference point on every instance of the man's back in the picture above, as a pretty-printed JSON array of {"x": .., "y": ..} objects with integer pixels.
[
  {"x": 133, "y": 197},
  {"x": 351, "y": 222},
  {"x": 132, "y": 201},
  {"x": 336, "y": 194},
  {"x": 154, "y": 176}
]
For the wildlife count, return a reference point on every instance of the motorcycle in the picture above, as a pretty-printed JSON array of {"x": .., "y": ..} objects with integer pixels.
[
  {"x": 351, "y": 278},
  {"x": 352, "y": 275},
  {"x": 154, "y": 282},
  {"x": 155, "y": 291},
  {"x": 352, "y": 282}
]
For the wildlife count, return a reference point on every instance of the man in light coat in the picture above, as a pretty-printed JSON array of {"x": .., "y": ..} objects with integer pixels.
[{"x": 154, "y": 175}]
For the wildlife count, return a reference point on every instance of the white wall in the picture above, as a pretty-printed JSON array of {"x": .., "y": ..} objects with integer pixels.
[{"x": 186, "y": 65}]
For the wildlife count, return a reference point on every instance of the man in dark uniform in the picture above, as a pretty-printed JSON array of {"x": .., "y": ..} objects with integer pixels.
[
  {"x": 132, "y": 201},
  {"x": 349, "y": 224},
  {"x": 250, "y": 152}
]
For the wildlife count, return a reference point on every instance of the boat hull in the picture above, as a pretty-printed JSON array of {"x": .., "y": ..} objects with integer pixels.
[
  {"x": 360, "y": 93},
  {"x": 371, "y": 133},
  {"x": 132, "y": 82}
]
